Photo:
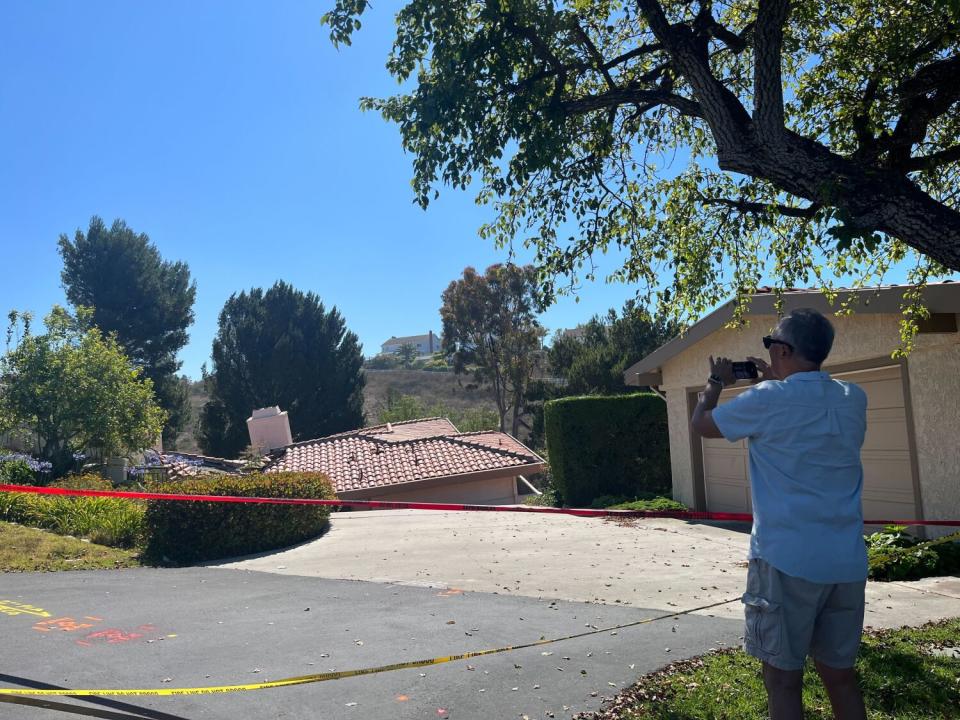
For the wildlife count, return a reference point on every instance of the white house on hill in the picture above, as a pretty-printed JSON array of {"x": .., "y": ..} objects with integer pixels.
[{"x": 425, "y": 344}]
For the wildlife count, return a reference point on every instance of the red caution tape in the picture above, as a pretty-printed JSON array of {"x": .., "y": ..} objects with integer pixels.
[{"x": 456, "y": 507}]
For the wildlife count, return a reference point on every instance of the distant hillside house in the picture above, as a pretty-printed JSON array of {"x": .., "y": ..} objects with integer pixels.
[
  {"x": 424, "y": 460},
  {"x": 426, "y": 344},
  {"x": 577, "y": 333}
]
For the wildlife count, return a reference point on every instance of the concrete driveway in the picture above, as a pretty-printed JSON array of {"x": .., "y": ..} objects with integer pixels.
[{"x": 663, "y": 564}]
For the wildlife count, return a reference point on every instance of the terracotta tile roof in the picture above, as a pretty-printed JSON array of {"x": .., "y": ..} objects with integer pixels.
[
  {"x": 181, "y": 466},
  {"x": 408, "y": 429},
  {"x": 407, "y": 452}
]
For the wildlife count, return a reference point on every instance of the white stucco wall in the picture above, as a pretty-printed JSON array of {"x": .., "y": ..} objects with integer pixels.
[{"x": 933, "y": 373}]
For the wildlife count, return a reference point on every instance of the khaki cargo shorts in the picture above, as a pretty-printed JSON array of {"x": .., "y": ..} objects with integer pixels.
[{"x": 788, "y": 618}]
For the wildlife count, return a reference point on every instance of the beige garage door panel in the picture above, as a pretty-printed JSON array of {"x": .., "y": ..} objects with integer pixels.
[
  {"x": 886, "y": 431},
  {"x": 888, "y": 479},
  {"x": 889, "y": 471},
  {"x": 727, "y": 464},
  {"x": 729, "y": 497},
  {"x": 725, "y": 470},
  {"x": 883, "y": 387}
]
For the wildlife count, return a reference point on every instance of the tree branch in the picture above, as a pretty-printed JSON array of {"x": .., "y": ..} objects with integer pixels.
[
  {"x": 749, "y": 206},
  {"x": 866, "y": 140},
  {"x": 594, "y": 53},
  {"x": 768, "y": 78},
  {"x": 927, "y": 95},
  {"x": 729, "y": 121},
  {"x": 932, "y": 161},
  {"x": 632, "y": 96},
  {"x": 644, "y": 49}
]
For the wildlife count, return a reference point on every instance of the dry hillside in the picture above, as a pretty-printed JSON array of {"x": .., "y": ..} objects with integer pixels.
[{"x": 432, "y": 388}]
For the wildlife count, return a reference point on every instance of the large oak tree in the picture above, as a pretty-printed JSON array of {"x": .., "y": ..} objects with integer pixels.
[{"x": 713, "y": 143}]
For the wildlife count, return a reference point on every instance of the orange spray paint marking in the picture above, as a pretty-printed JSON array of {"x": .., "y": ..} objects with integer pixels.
[
  {"x": 402, "y": 698},
  {"x": 113, "y": 636},
  {"x": 67, "y": 624}
]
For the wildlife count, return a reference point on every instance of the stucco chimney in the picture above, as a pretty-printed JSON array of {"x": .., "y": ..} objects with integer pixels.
[{"x": 269, "y": 429}]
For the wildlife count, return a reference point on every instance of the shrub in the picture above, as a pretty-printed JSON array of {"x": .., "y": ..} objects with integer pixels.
[
  {"x": 15, "y": 472},
  {"x": 547, "y": 498},
  {"x": 615, "y": 445},
  {"x": 14, "y": 506},
  {"x": 383, "y": 361},
  {"x": 83, "y": 481},
  {"x": 187, "y": 531},
  {"x": 657, "y": 504},
  {"x": 108, "y": 521},
  {"x": 894, "y": 554}
]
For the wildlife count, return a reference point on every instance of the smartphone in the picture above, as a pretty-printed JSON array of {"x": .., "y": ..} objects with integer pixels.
[{"x": 746, "y": 370}]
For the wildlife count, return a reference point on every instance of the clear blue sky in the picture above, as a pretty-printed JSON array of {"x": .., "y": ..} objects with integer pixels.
[{"x": 230, "y": 133}]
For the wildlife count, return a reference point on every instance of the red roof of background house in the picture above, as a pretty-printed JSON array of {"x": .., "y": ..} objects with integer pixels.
[{"x": 405, "y": 452}]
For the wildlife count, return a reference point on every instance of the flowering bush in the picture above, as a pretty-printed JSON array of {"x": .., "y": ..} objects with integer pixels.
[{"x": 22, "y": 469}]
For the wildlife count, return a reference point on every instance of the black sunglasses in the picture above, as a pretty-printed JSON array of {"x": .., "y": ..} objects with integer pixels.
[{"x": 768, "y": 341}]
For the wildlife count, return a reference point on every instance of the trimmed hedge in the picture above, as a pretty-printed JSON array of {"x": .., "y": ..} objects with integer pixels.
[
  {"x": 185, "y": 532},
  {"x": 611, "y": 445}
]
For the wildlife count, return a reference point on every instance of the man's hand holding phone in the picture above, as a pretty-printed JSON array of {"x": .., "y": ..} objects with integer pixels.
[{"x": 763, "y": 369}]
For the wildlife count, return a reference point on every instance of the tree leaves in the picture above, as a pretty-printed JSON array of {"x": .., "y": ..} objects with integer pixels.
[
  {"x": 281, "y": 347},
  {"x": 587, "y": 135},
  {"x": 77, "y": 389},
  {"x": 490, "y": 329},
  {"x": 132, "y": 292}
]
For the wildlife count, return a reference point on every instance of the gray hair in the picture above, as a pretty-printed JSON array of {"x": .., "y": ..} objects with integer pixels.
[{"x": 810, "y": 333}]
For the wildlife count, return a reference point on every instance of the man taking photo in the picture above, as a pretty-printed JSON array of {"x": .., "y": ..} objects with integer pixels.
[{"x": 808, "y": 563}]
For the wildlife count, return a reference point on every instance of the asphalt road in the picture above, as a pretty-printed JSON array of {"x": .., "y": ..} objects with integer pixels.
[{"x": 208, "y": 626}]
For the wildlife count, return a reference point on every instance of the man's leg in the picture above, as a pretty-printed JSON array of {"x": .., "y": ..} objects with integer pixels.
[
  {"x": 783, "y": 692},
  {"x": 836, "y": 641},
  {"x": 844, "y": 691}
]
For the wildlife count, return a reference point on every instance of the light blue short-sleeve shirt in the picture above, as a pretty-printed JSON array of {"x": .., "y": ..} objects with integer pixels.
[{"x": 804, "y": 436}]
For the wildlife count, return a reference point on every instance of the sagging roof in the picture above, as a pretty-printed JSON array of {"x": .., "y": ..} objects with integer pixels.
[
  {"x": 942, "y": 297},
  {"x": 398, "y": 453}
]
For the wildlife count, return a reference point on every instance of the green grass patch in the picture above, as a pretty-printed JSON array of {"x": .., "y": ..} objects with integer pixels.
[
  {"x": 901, "y": 679},
  {"x": 27, "y": 549}
]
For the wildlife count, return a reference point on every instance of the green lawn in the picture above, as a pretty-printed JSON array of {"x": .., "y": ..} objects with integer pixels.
[
  {"x": 27, "y": 549},
  {"x": 901, "y": 678}
]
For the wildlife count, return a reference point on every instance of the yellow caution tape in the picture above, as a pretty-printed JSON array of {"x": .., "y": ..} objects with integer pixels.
[{"x": 338, "y": 675}]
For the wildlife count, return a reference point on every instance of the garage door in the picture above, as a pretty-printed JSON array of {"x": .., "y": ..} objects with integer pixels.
[
  {"x": 888, "y": 480},
  {"x": 725, "y": 470}
]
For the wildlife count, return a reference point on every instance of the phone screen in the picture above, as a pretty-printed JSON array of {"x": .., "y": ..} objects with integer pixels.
[{"x": 744, "y": 370}]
